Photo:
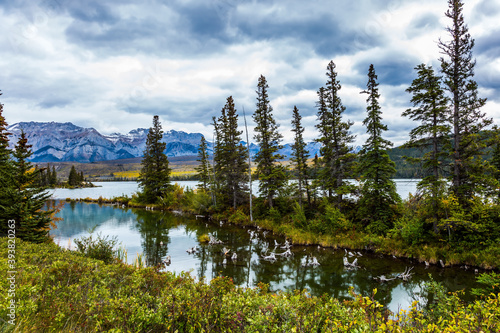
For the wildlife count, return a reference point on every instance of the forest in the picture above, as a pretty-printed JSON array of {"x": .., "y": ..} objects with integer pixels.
[
  {"x": 454, "y": 147},
  {"x": 453, "y": 219}
]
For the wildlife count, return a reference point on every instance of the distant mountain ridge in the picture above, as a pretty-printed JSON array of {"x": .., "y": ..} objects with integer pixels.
[
  {"x": 63, "y": 142},
  {"x": 66, "y": 142}
]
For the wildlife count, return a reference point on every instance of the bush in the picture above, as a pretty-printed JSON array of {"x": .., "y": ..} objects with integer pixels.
[
  {"x": 334, "y": 220},
  {"x": 238, "y": 217},
  {"x": 100, "y": 248},
  {"x": 201, "y": 202},
  {"x": 298, "y": 216},
  {"x": 410, "y": 228}
]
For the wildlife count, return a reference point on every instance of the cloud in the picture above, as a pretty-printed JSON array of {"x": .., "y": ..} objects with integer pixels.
[{"x": 112, "y": 65}]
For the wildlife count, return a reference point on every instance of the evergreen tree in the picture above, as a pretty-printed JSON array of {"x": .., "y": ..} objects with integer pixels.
[
  {"x": 154, "y": 177},
  {"x": 468, "y": 169},
  {"x": 32, "y": 223},
  {"x": 203, "y": 168},
  {"x": 53, "y": 177},
  {"x": 496, "y": 161},
  {"x": 431, "y": 112},
  {"x": 73, "y": 178},
  {"x": 230, "y": 157},
  {"x": 272, "y": 175},
  {"x": 6, "y": 172},
  {"x": 378, "y": 192},
  {"x": 335, "y": 137},
  {"x": 300, "y": 156}
]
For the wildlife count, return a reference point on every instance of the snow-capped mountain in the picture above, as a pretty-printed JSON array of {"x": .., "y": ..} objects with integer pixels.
[
  {"x": 57, "y": 142},
  {"x": 52, "y": 142}
]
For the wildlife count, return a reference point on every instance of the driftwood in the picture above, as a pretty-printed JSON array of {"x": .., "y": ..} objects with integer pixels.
[
  {"x": 405, "y": 276},
  {"x": 214, "y": 240},
  {"x": 314, "y": 262},
  {"x": 286, "y": 254},
  {"x": 270, "y": 257},
  {"x": 353, "y": 264}
]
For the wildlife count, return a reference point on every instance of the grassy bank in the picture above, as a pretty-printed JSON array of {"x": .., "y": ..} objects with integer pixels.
[{"x": 59, "y": 290}]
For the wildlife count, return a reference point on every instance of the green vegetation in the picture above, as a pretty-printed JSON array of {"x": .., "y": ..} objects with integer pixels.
[
  {"x": 154, "y": 178},
  {"x": 230, "y": 165},
  {"x": 378, "y": 191},
  {"x": 75, "y": 178},
  {"x": 299, "y": 158},
  {"x": 61, "y": 290},
  {"x": 336, "y": 139},
  {"x": 272, "y": 175},
  {"x": 203, "y": 169},
  {"x": 468, "y": 170},
  {"x": 22, "y": 201}
]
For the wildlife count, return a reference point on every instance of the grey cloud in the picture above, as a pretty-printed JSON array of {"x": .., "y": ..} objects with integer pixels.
[
  {"x": 489, "y": 45},
  {"x": 391, "y": 67},
  {"x": 422, "y": 24},
  {"x": 485, "y": 8},
  {"x": 53, "y": 100},
  {"x": 93, "y": 12}
]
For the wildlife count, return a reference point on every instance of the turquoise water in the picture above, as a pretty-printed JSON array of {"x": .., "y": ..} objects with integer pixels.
[
  {"x": 143, "y": 232},
  {"x": 115, "y": 189}
]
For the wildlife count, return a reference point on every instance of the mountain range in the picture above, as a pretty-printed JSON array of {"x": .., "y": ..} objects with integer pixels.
[{"x": 64, "y": 142}]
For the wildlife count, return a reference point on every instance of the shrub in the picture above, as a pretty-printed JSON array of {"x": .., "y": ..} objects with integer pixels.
[
  {"x": 298, "y": 216},
  {"x": 409, "y": 228},
  {"x": 101, "y": 248},
  {"x": 238, "y": 217},
  {"x": 334, "y": 220}
]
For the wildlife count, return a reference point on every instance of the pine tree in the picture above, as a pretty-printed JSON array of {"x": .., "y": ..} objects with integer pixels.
[
  {"x": 32, "y": 223},
  {"x": 430, "y": 110},
  {"x": 378, "y": 192},
  {"x": 335, "y": 137},
  {"x": 73, "y": 178},
  {"x": 496, "y": 161},
  {"x": 230, "y": 157},
  {"x": 468, "y": 169},
  {"x": 272, "y": 175},
  {"x": 6, "y": 172},
  {"x": 203, "y": 168},
  {"x": 300, "y": 156},
  {"x": 53, "y": 177},
  {"x": 154, "y": 178}
]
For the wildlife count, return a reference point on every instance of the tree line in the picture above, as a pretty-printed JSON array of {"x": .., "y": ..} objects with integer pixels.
[
  {"x": 21, "y": 198},
  {"x": 450, "y": 129}
]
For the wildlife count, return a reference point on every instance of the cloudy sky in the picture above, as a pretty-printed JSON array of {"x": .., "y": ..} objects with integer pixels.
[{"x": 112, "y": 65}]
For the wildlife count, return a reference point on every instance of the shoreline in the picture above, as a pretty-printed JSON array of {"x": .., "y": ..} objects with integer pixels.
[{"x": 351, "y": 240}]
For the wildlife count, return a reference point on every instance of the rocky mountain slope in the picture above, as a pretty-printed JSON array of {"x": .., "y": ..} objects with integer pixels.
[{"x": 65, "y": 142}]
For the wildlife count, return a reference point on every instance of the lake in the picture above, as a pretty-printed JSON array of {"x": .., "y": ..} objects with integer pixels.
[
  {"x": 143, "y": 232},
  {"x": 115, "y": 189}
]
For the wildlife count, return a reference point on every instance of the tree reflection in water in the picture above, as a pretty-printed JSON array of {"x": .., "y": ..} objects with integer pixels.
[{"x": 145, "y": 231}]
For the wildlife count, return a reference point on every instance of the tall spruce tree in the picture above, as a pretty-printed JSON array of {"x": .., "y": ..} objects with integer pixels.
[
  {"x": 430, "y": 110},
  {"x": 272, "y": 175},
  {"x": 6, "y": 172},
  {"x": 73, "y": 177},
  {"x": 378, "y": 192},
  {"x": 154, "y": 177},
  {"x": 203, "y": 168},
  {"x": 53, "y": 177},
  {"x": 230, "y": 157},
  {"x": 299, "y": 157},
  {"x": 335, "y": 137},
  {"x": 468, "y": 168},
  {"x": 27, "y": 200}
]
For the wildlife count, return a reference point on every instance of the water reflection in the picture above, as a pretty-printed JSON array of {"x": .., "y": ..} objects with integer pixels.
[{"x": 157, "y": 234}]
